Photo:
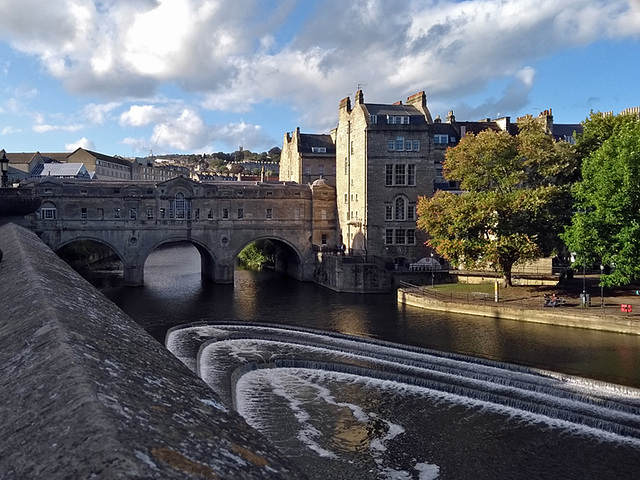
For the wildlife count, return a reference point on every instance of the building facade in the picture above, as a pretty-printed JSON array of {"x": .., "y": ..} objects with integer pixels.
[
  {"x": 306, "y": 158},
  {"x": 383, "y": 163}
]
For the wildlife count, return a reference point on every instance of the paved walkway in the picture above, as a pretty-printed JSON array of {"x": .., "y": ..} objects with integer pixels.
[{"x": 604, "y": 302}]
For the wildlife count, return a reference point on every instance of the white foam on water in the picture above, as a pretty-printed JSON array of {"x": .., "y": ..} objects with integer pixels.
[{"x": 427, "y": 471}]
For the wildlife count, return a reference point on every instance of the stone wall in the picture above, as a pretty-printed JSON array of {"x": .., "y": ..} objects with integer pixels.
[
  {"x": 350, "y": 275},
  {"x": 86, "y": 393}
]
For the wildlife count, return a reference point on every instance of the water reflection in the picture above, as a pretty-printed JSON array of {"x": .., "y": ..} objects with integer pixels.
[{"x": 174, "y": 294}]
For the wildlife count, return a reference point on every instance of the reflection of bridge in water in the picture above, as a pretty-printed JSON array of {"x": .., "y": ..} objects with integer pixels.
[{"x": 219, "y": 219}]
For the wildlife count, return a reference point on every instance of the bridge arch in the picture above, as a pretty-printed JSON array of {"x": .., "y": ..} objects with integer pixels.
[
  {"x": 78, "y": 258},
  {"x": 208, "y": 260},
  {"x": 289, "y": 259}
]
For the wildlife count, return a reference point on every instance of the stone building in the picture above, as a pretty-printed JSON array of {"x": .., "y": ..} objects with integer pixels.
[
  {"x": 384, "y": 161},
  {"x": 105, "y": 167},
  {"x": 306, "y": 158}
]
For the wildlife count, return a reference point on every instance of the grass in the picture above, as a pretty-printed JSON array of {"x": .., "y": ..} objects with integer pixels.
[{"x": 465, "y": 287}]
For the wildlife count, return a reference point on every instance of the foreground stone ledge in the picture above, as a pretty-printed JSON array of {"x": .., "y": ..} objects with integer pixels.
[
  {"x": 557, "y": 316},
  {"x": 86, "y": 393}
]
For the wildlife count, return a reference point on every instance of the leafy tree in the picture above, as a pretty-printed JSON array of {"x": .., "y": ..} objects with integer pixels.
[
  {"x": 236, "y": 168},
  {"x": 597, "y": 129},
  {"x": 606, "y": 225},
  {"x": 274, "y": 154},
  {"x": 516, "y": 199}
]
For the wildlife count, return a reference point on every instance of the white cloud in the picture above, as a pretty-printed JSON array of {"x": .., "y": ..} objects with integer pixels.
[
  {"x": 142, "y": 115},
  {"x": 98, "y": 114},
  {"x": 236, "y": 54},
  {"x": 10, "y": 130},
  {"x": 82, "y": 143},
  {"x": 45, "y": 128}
]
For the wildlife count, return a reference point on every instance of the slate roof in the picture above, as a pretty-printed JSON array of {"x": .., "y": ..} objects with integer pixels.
[
  {"x": 383, "y": 110},
  {"x": 59, "y": 170},
  {"x": 308, "y": 140}
]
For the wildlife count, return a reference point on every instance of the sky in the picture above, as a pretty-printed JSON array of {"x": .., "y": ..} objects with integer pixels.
[{"x": 134, "y": 77}]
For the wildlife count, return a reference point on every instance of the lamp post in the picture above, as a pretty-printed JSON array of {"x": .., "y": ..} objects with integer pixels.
[
  {"x": 432, "y": 268},
  {"x": 601, "y": 287},
  {"x": 4, "y": 168}
]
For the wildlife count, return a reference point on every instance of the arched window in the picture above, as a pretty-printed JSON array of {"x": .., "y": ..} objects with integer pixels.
[
  {"x": 181, "y": 207},
  {"x": 48, "y": 211},
  {"x": 401, "y": 209}
]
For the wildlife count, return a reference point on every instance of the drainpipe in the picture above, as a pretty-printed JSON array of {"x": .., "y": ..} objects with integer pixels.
[{"x": 349, "y": 185}]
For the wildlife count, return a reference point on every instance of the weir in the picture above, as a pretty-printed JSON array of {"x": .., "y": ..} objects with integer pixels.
[{"x": 223, "y": 354}]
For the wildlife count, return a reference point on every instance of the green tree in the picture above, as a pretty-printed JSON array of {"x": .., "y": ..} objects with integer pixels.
[
  {"x": 515, "y": 204},
  {"x": 606, "y": 225}
]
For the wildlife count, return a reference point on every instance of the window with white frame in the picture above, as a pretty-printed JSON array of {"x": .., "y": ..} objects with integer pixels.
[
  {"x": 411, "y": 211},
  {"x": 401, "y": 144},
  {"x": 388, "y": 212},
  {"x": 397, "y": 119},
  {"x": 400, "y": 174},
  {"x": 48, "y": 213},
  {"x": 411, "y": 174},
  {"x": 373, "y": 118},
  {"x": 319, "y": 149},
  {"x": 388, "y": 236},
  {"x": 388, "y": 179},
  {"x": 440, "y": 139}
]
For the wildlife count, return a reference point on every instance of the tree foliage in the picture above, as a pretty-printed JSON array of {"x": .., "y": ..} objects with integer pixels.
[
  {"x": 516, "y": 199},
  {"x": 606, "y": 225}
]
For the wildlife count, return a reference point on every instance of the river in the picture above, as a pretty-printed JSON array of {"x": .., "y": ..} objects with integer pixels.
[{"x": 367, "y": 420}]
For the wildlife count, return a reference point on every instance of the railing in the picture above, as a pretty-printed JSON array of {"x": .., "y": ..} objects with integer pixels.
[{"x": 448, "y": 296}]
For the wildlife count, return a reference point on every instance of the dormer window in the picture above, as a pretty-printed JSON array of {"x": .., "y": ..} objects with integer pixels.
[
  {"x": 319, "y": 149},
  {"x": 398, "y": 119},
  {"x": 441, "y": 139},
  {"x": 373, "y": 118}
]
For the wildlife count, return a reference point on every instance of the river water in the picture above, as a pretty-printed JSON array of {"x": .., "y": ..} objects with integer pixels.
[{"x": 346, "y": 423}]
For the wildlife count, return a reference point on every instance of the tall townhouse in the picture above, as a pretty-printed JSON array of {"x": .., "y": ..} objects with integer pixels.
[
  {"x": 306, "y": 158},
  {"x": 384, "y": 161}
]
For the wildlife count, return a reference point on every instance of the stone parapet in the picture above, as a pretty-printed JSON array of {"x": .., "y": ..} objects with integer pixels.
[{"x": 86, "y": 393}]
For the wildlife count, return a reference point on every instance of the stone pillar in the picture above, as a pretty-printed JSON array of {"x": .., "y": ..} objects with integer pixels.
[
  {"x": 223, "y": 273},
  {"x": 133, "y": 275}
]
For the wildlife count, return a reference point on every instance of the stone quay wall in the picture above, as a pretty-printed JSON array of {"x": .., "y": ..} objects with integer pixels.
[
  {"x": 345, "y": 274},
  {"x": 560, "y": 316},
  {"x": 86, "y": 393}
]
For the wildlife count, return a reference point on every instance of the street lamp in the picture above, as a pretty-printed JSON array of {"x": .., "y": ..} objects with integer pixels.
[
  {"x": 432, "y": 268},
  {"x": 601, "y": 286},
  {"x": 4, "y": 168}
]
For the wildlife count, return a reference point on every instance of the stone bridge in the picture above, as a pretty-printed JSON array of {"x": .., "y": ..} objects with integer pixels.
[{"x": 220, "y": 219}]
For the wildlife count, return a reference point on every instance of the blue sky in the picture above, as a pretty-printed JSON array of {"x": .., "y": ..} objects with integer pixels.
[{"x": 201, "y": 76}]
